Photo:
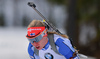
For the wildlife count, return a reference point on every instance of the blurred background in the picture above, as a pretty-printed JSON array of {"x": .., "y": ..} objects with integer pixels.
[{"x": 79, "y": 19}]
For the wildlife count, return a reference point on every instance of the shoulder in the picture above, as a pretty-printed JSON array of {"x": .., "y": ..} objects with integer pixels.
[
  {"x": 63, "y": 44},
  {"x": 58, "y": 37},
  {"x": 60, "y": 41}
]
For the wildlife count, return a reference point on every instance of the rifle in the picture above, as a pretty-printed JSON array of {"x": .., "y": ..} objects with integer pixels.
[{"x": 31, "y": 4}]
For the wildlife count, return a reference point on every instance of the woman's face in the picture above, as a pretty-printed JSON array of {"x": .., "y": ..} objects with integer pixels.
[{"x": 39, "y": 45}]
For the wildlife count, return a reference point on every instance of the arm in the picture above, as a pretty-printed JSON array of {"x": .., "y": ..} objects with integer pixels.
[
  {"x": 30, "y": 51},
  {"x": 64, "y": 49}
]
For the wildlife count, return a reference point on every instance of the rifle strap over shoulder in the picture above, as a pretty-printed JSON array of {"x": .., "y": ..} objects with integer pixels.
[{"x": 52, "y": 43}]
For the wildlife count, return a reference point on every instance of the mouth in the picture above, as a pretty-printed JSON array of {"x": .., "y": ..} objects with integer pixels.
[{"x": 37, "y": 47}]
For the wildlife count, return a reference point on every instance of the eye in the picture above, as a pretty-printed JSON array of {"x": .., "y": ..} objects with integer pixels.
[{"x": 33, "y": 41}]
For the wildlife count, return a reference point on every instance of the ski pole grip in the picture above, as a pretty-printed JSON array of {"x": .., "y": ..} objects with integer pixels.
[{"x": 31, "y": 4}]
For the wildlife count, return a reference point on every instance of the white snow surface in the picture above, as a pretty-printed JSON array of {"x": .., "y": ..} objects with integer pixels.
[{"x": 13, "y": 43}]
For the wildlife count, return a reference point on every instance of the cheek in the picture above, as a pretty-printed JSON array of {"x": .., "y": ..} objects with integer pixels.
[
  {"x": 43, "y": 41},
  {"x": 33, "y": 44}
]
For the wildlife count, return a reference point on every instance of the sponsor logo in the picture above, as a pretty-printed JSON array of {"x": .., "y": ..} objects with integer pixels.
[
  {"x": 33, "y": 29},
  {"x": 48, "y": 56},
  {"x": 32, "y": 34}
]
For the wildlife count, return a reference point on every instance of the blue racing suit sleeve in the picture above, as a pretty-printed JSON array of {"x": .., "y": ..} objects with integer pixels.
[
  {"x": 64, "y": 49},
  {"x": 30, "y": 51}
]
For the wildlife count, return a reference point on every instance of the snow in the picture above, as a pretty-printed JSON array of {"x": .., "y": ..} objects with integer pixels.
[
  {"x": 13, "y": 43},
  {"x": 88, "y": 58}
]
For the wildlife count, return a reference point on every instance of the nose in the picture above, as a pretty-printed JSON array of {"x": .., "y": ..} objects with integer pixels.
[{"x": 34, "y": 44}]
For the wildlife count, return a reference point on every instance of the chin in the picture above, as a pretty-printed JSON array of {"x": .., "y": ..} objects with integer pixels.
[{"x": 39, "y": 48}]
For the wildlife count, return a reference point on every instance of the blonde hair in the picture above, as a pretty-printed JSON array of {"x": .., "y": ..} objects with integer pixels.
[{"x": 38, "y": 23}]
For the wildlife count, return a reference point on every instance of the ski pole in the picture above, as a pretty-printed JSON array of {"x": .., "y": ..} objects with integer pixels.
[{"x": 31, "y": 4}]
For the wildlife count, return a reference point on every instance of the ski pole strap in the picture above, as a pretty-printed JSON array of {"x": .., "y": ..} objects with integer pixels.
[{"x": 52, "y": 43}]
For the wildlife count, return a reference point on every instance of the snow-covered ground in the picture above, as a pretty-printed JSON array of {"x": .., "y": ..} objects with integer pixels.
[{"x": 13, "y": 43}]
